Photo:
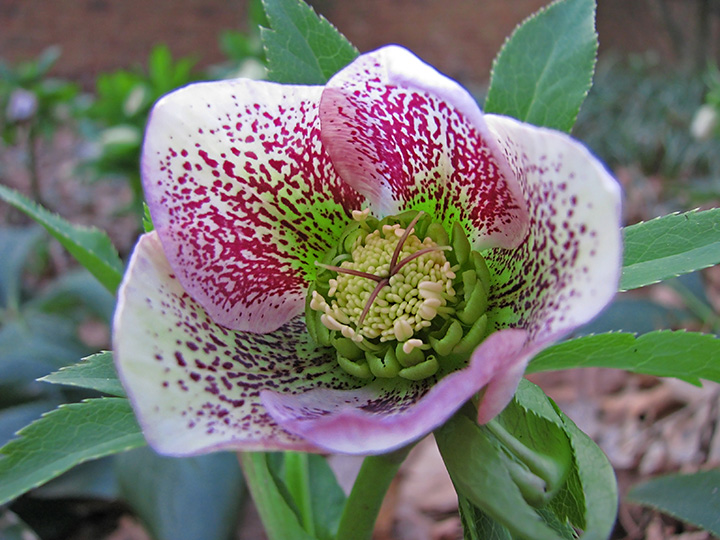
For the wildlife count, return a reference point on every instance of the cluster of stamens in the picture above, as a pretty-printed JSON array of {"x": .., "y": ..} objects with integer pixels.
[{"x": 388, "y": 300}]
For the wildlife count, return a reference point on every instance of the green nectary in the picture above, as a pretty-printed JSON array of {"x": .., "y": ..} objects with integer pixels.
[{"x": 396, "y": 296}]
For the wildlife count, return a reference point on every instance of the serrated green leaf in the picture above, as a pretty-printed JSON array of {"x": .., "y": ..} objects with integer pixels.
[
  {"x": 688, "y": 356},
  {"x": 479, "y": 470},
  {"x": 544, "y": 71},
  {"x": 96, "y": 372},
  {"x": 18, "y": 416},
  {"x": 90, "y": 246},
  {"x": 596, "y": 484},
  {"x": 63, "y": 438},
  {"x": 477, "y": 525},
  {"x": 558, "y": 523},
  {"x": 280, "y": 521},
  {"x": 569, "y": 502},
  {"x": 530, "y": 397},
  {"x": 483, "y": 474},
  {"x": 589, "y": 497},
  {"x": 196, "y": 498},
  {"x": 302, "y": 47},
  {"x": 693, "y": 498},
  {"x": 669, "y": 246},
  {"x": 537, "y": 440}
]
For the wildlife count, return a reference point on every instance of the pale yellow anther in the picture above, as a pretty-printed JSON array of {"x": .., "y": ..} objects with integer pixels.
[
  {"x": 317, "y": 302},
  {"x": 402, "y": 329},
  {"x": 399, "y": 307},
  {"x": 389, "y": 229},
  {"x": 361, "y": 215},
  {"x": 389, "y": 288},
  {"x": 430, "y": 286},
  {"x": 349, "y": 333},
  {"x": 448, "y": 270},
  {"x": 433, "y": 302},
  {"x": 426, "y": 312},
  {"x": 430, "y": 289},
  {"x": 410, "y": 344},
  {"x": 331, "y": 323},
  {"x": 449, "y": 290},
  {"x": 338, "y": 314}
]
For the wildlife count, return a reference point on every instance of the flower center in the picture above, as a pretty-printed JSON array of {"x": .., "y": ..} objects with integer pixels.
[{"x": 395, "y": 294}]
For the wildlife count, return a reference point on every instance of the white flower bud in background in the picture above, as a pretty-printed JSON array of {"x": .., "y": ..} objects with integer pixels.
[{"x": 704, "y": 123}]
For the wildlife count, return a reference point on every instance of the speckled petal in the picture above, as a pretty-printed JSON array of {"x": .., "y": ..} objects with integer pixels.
[
  {"x": 243, "y": 196},
  {"x": 568, "y": 268},
  {"x": 194, "y": 385},
  {"x": 408, "y": 137},
  {"x": 387, "y": 415}
]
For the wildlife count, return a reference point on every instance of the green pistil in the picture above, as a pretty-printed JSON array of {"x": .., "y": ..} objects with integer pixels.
[{"x": 397, "y": 296}]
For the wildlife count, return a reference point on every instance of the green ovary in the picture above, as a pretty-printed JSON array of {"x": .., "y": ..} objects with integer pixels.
[{"x": 398, "y": 297}]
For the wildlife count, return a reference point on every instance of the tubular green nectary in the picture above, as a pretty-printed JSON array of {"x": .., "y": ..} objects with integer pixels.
[{"x": 398, "y": 297}]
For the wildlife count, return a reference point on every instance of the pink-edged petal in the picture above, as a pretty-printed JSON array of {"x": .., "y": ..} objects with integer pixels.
[
  {"x": 502, "y": 387},
  {"x": 568, "y": 267},
  {"x": 408, "y": 137},
  {"x": 194, "y": 385},
  {"x": 387, "y": 415},
  {"x": 243, "y": 196}
]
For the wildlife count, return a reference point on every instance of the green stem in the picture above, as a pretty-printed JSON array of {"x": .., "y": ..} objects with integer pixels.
[
  {"x": 33, "y": 164},
  {"x": 278, "y": 519},
  {"x": 363, "y": 504},
  {"x": 297, "y": 479}
]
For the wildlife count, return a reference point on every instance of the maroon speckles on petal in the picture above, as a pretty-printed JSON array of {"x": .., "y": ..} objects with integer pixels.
[
  {"x": 409, "y": 137},
  {"x": 213, "y": 399},
  {"x": 233, "y": 203},
  {"x": 567, "y": 268},
  {"x": 245, "y": 198},
  {"x": 382, "y": 417}
]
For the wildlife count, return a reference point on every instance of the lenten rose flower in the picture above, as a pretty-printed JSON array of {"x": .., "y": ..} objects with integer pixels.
[{"x": 341, "y": 267}]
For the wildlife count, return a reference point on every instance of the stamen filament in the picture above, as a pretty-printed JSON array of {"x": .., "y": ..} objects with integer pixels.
[
  {"x": 371, "y": 299},
  {"x": 341, "y": 270},
  {"x": 418, "y": 253},
  {"x": 401, "y": 242}
]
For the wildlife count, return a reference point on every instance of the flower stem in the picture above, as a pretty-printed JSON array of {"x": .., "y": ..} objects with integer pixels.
[
  {"x": 367, "y": 494},
  {"x": 279, "y": 520},
  {"x": 297, "y": 480}
]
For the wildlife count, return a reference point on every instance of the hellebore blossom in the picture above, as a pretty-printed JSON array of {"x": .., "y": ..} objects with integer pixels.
[{"x": 341, "y": 268}]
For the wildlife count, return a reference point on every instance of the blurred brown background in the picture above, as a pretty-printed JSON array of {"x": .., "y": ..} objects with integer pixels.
[{"x": 461, "y": 37}]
